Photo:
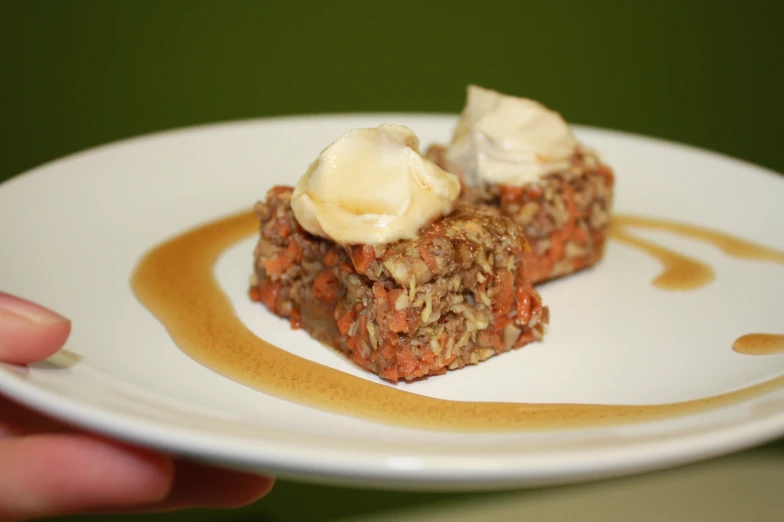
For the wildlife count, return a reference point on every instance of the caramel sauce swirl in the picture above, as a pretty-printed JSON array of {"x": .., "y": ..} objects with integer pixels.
[
  {"x": 175, "y": 281},
  {"x": 682, "y": 272}
]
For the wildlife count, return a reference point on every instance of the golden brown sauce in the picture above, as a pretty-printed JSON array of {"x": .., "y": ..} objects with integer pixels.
[
  {"x": 759, "y": 344},
  {"x": 730, "y": 245},
  {"x": 682, "y": 272},
  {"x": 175, "y": 282}
]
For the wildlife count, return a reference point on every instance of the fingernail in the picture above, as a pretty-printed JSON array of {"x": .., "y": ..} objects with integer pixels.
[{"x": 21, "y": 309}]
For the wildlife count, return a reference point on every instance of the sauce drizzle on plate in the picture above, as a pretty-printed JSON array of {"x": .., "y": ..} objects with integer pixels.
[
  {"x": 759, "y": 344},
  {"x": 682, "y": 272},
  {"x": 175, "y": 282}
]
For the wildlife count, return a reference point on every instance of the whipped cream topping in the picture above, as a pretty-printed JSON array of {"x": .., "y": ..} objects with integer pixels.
[
  {"x": 508, "y": 140},
  {"x": 373, "y": 186}
]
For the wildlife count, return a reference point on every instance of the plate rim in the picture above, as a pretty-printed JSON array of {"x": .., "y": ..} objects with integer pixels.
[
  {"x": 215, "y": 125},
  {"x": 362, "y": 464}
]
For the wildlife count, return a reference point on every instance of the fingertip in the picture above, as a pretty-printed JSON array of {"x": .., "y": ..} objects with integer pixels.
[
  {"x": 29, "y": 332},
  {"x": 22, "y": 342},
  {"x": 201, "y": 485},
  {"x": 253, "y": 488}
]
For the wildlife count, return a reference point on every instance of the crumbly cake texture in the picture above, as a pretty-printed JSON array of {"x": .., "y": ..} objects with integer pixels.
[
  {"x": 455, "y": 296},
  {"x": 565, "y": 216}
]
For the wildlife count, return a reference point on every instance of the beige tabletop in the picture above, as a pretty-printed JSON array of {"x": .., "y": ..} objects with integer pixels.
[
  {"x": 748, "y": 486},
  {"x": 743, "y": 487}
]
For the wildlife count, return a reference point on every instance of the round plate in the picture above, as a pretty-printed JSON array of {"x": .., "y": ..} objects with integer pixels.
[{"x": 72, "y": 232}]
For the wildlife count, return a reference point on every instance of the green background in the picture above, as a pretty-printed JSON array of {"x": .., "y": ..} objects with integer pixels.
[
  {"x": 81, "y": 73},
  {"x": 76, "y": 74}
]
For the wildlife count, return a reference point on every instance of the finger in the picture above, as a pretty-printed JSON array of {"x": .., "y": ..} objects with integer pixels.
[
  {"x": 194, "y": 485},
  {"x": 46, "y": 475},
  {"x": 29, "y": 332},
  {"x": 200, "y": 485}
]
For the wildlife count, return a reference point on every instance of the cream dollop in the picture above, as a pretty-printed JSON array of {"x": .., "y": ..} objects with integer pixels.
[
  {"x": 373, "y": 186},
  {"x": 509, "y": 140}
]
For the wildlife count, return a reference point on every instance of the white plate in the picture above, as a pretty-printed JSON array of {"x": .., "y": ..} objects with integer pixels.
[{"x": 73, "y": 230}]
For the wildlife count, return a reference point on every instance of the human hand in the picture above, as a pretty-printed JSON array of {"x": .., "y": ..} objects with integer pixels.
[{"x": 49, "y": 469}]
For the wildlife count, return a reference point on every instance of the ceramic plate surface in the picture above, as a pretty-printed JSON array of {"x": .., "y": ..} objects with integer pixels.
[{"x": 72, "y": 231}]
